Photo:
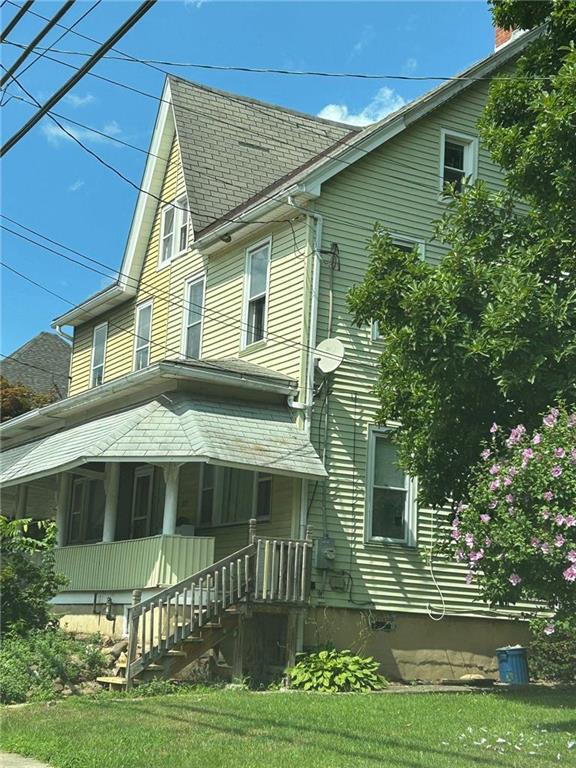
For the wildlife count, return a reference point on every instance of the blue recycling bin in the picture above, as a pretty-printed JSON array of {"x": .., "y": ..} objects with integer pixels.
[{"x": 513, "y": 665}]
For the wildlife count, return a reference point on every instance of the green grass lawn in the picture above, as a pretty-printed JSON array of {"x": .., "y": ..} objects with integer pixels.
[{"x": 238, "y": 728}]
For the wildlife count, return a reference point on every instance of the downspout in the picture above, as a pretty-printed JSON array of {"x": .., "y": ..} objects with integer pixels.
[
  {"x": 63, "y": 334},
  {"x": 312, "y": 329}
]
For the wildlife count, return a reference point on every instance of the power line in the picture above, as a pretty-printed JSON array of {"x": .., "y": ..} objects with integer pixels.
[
  {"x": 23, "y": 9},
  {"x": 28, "y": 365},
  {"x": 55, "y": 98},
  {"x": 164, "y": 296},
  {"x": 41, "y": 34},
  {"x": 61, "y": 36}
]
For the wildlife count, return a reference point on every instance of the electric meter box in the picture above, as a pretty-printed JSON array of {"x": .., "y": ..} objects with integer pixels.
[{"x": 325, "y": 554}]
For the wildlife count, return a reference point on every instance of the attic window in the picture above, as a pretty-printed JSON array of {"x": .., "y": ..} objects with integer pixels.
[
  {"x": 458, "y": 159},
  {"x": 174, "y": 236}
]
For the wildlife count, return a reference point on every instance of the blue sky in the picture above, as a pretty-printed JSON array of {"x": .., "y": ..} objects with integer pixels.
[{"x": 51, "y": 185}]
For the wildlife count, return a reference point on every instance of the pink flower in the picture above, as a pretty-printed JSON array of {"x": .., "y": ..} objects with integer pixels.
[
  {"x": 556, "y": 471},
  {"x": 510, "y": 498},
  {"x": 570, "y": 573},
  {"x": 549, "y": 629},
  {"x": 547, "y": 495},
  {"x": 469, "y": 539},
  {"x": 494, "y": 428},
  {"x": 455, "y": 534},
  {"x": 516, "y": 435},
  {"x": 572, "y": 420},
  {"x": 495, "y": 484},
  {"x": 514, "y": 579},
  {"x": 486, "y": 453},
  {"x": 493, "y": 504},
  {"x": 559, "y": 453},
  {"x": 545, "y": 513},
  {"x": 487, "y": 541},
  {"x": 527, "y": 454},
  {"x": 559, "y": 519},
  {"x": 535, "y": 542},
  {"x": 494, "y": 469},
  {"x": 512, "y": 471},
  {"x": 507, "y": 481},
  {"x": 469, "y": 577},
  {"x": 485, "y": 518},
  {"x": 550, "y": 419},
  {"x": 570, "y": 521},
  {"x": 545, "y": 548},
  {"x": 459, "y": 555},
  {"x": 573, "y": 455},
  {"x": 571, "y": 556},
  {"x": 559, "y": 540},
  {"x": 475, "y": 556},
  {"x": 537, "y": 439}
]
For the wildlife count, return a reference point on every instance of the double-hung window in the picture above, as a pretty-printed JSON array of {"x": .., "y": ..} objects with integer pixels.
[
  {"x": 98, "y": 354},
  {"x": 175, "y": 225},
  {"x": 390, "y": 501},
  {"x": 193, "y": 316},
  {"x": 229, "y": 495},
  {"x": 142, "y": 341},
  {"x": 458, "y": 159},
  {"x": 256, "y": 292}
]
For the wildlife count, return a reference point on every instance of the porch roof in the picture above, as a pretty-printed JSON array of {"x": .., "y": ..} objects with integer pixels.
[{"x": 173, "y": 428}]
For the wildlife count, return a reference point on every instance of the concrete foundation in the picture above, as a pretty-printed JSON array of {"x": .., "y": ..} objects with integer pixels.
[{"x": 413, "y": 646}]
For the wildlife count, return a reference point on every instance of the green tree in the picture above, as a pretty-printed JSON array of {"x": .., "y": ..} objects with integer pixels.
[
  {"x": 27, "y": 576},
  {"x": 16, "y": 399},
  {"x": 489, "y": 335}
]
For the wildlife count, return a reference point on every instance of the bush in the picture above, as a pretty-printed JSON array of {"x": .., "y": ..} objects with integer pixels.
[
  {"x": 31, "y": 666},
  {"x": 553, "y": 657},
  {"x": 27, "y": 576},
  {"x": 336, "y": 671}
]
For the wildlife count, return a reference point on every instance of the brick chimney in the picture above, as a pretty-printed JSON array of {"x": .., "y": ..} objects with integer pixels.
[{"x": 502, "y": 36}]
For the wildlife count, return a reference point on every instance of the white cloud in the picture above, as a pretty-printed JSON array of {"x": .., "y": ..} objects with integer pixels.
[
  {"x": 410, "y": 65},
  {"x": 54, "y": 134},
  {"x": 79, "y": 101},
  {"x": 78, "y": 184},
  {"x": 367, "y": 36},
  {"x": 383, "y": 103}
]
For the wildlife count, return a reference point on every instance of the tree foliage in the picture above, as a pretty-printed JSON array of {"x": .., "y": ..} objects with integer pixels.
[
  {"x": 16, "y": 399},
  {"x": 488, "y": 335},
  {"x": 27, "y": 576}
]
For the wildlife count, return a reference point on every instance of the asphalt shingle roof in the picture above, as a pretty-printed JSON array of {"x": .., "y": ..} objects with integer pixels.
[
  {"x": 50, "y": 356},
  {"x": 175, "y": 426},
  {"x": 234, "y": 147}
]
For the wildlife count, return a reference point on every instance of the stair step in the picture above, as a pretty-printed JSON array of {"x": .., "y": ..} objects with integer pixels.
[
  {"x": 173, "y": 652},
  {"x": 193, "y": 639},
  {"x": 152, "y": 665},
  {"x": 109, "y": 680},
  {"x": 212, "y": 625}
]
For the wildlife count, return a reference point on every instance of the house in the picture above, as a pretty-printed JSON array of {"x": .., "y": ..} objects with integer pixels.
[
  {"x": 216, "y": 471},
  {"x": 42, "y": 364}
]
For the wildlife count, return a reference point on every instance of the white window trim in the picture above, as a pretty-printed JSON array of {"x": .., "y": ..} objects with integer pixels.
[
  {"x": 139, "y": 308},
  {"x": 246, "y": 299},
  {"x": 142, "y": 472},
  {"x": 217, "y": 499},
  {"x": 411, "y": 495},
  {"x": 399, "y": 240},
  {"x": 470, "y": 154},
  {"x": 177, "y": 204},
  {"x": 190, "y": 281},
  {"x": 96, "y": 328}
]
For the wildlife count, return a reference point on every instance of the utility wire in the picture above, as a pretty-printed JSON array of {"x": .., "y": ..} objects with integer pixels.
[
  {"x": 60, "y": 37},
  {"x": 22, "y": 9},
  {"x": 34, "y": 42},
  {"x": 102, "y": 50},
  {"x": 28, "y": 365}
]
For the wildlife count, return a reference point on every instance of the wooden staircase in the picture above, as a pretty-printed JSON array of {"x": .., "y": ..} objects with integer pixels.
[{"x": 178, "y": 625}]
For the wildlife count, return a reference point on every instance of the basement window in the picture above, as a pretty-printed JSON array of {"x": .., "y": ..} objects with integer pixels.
[
  {"x": 256, "y": 292},
  {"x": 459, "y": 159},
  {"x": 390, "y": 499}
]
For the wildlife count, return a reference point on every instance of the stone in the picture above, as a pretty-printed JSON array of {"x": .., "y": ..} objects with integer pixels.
[
  {"x": 473, "y": 677},
  {"x": 118, "y": 648}
]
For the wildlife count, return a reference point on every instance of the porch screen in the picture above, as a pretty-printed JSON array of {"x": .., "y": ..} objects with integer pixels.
[{"x": 237, "y": 495}]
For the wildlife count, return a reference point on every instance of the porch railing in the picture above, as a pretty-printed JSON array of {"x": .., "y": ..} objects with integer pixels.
[{"x": 266, "y": 570}]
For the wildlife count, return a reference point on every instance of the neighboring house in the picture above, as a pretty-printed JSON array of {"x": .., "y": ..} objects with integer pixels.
[
  {"x": 42, "y": 364},
  {"x": 197, "y": 404}
]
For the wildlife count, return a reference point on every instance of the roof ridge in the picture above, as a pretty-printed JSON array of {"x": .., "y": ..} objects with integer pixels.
[{"x": 262, "y": 103}]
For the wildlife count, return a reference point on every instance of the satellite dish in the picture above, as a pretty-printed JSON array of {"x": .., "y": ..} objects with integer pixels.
[{"x": 329, "y": 355}]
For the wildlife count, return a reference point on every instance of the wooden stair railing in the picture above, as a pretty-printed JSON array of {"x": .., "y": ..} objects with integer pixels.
[{"x": 266, "y": 570}]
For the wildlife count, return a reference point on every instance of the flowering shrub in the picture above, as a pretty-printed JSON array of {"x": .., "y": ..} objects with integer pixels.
[{"x": 517, "y": 529}]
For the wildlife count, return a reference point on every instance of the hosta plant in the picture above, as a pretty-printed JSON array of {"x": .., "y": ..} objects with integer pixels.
[{"x": 332, "y": 671}]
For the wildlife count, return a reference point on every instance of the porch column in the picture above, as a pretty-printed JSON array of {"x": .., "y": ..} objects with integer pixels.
[
  {"x": 62, "y": 508},
  {"x": 171, "y": 476},
  {"x": 111, "y": 485},
  {"x": 21, "y": 501}
]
